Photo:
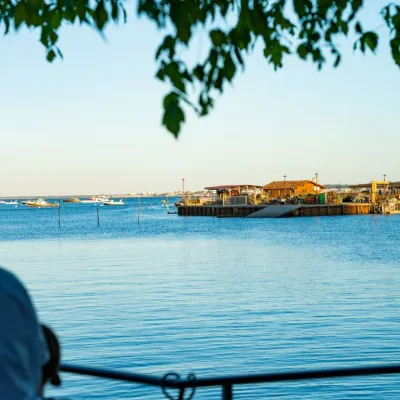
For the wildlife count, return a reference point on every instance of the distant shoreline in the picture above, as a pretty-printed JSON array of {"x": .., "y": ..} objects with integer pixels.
[
  {"x": 137, "y": 195},
  {"x": 82, "y": 196}
]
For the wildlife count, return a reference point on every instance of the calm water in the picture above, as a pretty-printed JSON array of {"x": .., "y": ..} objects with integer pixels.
[{"x": 212, "y": 296}]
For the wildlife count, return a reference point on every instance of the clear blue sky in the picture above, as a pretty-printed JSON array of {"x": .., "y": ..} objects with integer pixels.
[{"x": 91, "y": 123}]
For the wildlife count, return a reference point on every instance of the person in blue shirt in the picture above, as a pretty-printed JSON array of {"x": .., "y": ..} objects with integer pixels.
[{"x": 23, "y": 349}]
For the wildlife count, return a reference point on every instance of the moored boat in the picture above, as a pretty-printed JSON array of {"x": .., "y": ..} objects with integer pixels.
[
  {"x": 114, "y": 203},
  {"x": 96, "y": 200},
  {"x": 72, "y": 200},
  {"x": 10, "y": 203},
  {"x": 40, "y": 203}
]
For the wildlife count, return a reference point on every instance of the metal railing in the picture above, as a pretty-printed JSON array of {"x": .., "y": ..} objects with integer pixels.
[
  {"x": 186, "y": 387},
  {"x": 235, "y": 201}
]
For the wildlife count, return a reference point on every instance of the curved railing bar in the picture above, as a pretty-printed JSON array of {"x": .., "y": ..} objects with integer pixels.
[
  {"x": 378, "y": 369},
  {"x": 112, "y": 374}
]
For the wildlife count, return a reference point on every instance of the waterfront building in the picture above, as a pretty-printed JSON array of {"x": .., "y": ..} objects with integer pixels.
[{"x": 281, "y": 189}]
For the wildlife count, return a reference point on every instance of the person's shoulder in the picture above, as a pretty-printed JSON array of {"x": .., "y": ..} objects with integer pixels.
[
  {"x": 6, "y": 275},
  {"x": 10, "y": 283}
]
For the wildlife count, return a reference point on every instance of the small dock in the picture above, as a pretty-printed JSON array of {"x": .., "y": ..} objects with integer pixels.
[
  {"x": 275, "y": 211},
  {"x": 320, "y": 210},
  {"x": 219, "y": 211}
]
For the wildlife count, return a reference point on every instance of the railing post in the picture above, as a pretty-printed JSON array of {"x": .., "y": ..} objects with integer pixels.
[
  {"x": 181, "y": 394},
  {"x": 227, "y": 393}
]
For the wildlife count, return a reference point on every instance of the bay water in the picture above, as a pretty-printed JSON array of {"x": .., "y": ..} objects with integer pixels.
[{"x": 211, "y": 296}]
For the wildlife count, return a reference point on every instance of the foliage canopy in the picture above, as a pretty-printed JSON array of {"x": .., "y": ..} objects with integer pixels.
[{"x": 308, "y": 29}]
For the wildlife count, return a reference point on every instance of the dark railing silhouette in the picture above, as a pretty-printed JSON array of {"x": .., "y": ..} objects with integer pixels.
[{"x": 187, "y": 386}]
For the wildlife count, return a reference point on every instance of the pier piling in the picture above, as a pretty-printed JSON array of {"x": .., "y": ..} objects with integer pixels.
[
  {"x": 138, "y": 211},
  {"x": 59, "y": 213}
]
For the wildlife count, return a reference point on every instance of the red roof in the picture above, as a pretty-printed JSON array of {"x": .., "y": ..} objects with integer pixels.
[
  {"x": 281, "y": 185},
  {"x": 223, "y": 187}
]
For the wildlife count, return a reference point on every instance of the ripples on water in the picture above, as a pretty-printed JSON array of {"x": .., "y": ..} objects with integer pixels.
[{"x": 213, "y": 296}]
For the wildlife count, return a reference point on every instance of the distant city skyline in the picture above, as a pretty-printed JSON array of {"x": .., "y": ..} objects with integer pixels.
[
  {"x": 171, "y": 193},
  {"x": 91, "y": 123}
]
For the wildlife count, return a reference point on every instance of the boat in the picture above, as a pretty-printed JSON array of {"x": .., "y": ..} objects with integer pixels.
[
  {"x": 114, "y": 203},
  {"x": 10, "y": 203},
  {"x": 96, "y": 200},
  {"x": 72, "y": 200},
  {"x": 40, "y": 203}
]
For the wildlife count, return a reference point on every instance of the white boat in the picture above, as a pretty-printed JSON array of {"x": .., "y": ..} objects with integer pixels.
[
  {"x": 96, "y": 200},
  {"x": 113, "y": 203},
  {"x": 10, "y": 203}
]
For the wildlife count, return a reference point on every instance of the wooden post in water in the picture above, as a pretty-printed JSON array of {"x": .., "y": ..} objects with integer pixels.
[
  {"x": 59, "y": 212},
  {"x": 166, "y": 203},
  {"x": 98, "y": 216},
  {"x": 183, "y": 191},
  {"x": 138, "y": 211}
]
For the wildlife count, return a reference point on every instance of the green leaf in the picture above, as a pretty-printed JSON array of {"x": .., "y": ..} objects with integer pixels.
[
  {"x": 274, "y": 54},
  {"x": 213, "y": 57},
  {"x": 358, "y": 28},
  {"x": 20, "y": 14},
  {"x": 174, "y": 74},
  {"x": 395, "y": 47},
  {"x": 173, "y": 114},
  {"x": 115, "y": 10},
  {"x": 53, "y": 37},
  {"x": 300, "y": 7},
  {"x": 315, "y": 37},
  {"x": 219, "y": 82},
  {"x": 160, "y": 74},
  {"x": 184, "y": 33},
  {"x": 7, "y": 24},
  {"x": 101, "y": 16},
  {"x": 344, "y": 27},
  {"x": 243, "y": 38},
  {"x": 385, "y": 12},
  {"x": 51, "y": 55},
  {"x": 229, "y": 67},
  {"x": 356, "y": 4},
  {"x": 198, "y": 72},
  {"x": 238, "y": 56},
  {"x": 371, "y": 40},
  {"x": 217, "y": 37},
  {"x": 337, "y": 60},
  {"x": 302, "y": 51},
  {"x": 55, "y": 20},
  {"x": 206, "y": 103},
  {"x": 168, "y": 44}
]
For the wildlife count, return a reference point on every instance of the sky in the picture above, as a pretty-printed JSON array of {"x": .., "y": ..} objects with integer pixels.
[{"x": 92, "y": 122}]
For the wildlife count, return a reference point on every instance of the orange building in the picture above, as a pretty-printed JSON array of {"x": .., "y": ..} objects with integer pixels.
[{"x": 277, "y": 189}]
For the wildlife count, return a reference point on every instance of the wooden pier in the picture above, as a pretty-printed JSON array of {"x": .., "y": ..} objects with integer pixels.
[
  {"x": 301, "y": 210},
  {"x": 320, "y": 210},
  {"x": 219, "y": 211}
]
